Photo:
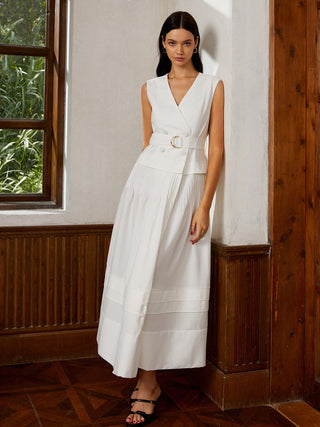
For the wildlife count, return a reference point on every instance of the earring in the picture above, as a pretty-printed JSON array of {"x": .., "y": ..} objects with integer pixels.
[
  {"x": 164, "y": 50},
  {"x": 195, "y": 50}
]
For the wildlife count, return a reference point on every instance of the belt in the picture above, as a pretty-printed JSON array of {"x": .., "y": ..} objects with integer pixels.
[{"x": 176, "y": 141}]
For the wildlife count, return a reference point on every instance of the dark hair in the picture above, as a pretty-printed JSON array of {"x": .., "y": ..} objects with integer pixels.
[{"x": 174, "y": 21}]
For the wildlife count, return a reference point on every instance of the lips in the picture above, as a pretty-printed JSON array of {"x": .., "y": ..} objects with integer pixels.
[{"x": 179, "y": 59}]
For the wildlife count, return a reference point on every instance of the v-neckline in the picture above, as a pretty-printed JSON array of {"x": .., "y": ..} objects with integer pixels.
[{"x": 173, "y": 98}]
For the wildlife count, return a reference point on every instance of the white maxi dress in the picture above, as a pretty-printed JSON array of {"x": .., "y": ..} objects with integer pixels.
[{"x": 155, "y": 301}]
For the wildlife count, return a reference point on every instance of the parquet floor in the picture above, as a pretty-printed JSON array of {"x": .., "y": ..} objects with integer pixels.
[{"x": 85, "y": 393}]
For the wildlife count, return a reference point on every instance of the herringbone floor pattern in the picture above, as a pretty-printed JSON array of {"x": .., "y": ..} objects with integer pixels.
[{"x": 86, "y": 393}]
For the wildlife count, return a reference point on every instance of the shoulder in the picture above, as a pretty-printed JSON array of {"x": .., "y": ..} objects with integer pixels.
[
  {"x": 144, "y": 95},
  {"x": 154, "y": 81},
  {"x": 211, "y": 79},
  {"x": 144, "y": 88},
  {"x": 150, "y": 87},
  {"x": 151, "y": 84},
  {"x": 215, "y": 87}
]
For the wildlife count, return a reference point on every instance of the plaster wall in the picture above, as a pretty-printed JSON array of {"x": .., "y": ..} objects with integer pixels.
[
  {"x": 234, "y": 46},
  {"x": 245, "y": 211},
  {"x": 112, "y": 51}
]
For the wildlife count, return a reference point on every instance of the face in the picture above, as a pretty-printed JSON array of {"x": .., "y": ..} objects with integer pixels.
[{"x": 179, "y": 44}]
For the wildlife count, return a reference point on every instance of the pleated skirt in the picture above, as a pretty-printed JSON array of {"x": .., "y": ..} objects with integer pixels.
[{"x": 155, "y": 301}]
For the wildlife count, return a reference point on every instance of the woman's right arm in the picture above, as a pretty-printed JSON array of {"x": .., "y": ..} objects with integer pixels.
[{"x": 146, "y": 116}]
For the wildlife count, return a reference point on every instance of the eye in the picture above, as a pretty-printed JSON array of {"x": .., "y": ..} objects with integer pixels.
[
  {"x": 171, "y": 43},
  {"x": 187, "y": 43}
]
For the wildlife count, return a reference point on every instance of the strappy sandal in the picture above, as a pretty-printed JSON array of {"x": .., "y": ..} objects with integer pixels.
[
  {"x": 131, "y": 399},
  {"x": 147, "y": 417}
]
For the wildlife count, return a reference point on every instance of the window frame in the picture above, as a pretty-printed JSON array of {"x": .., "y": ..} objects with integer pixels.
[{"x": 54, "y": 111}]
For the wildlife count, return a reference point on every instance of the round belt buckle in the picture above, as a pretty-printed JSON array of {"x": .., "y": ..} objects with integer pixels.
[{"x": 171, "y": 141}]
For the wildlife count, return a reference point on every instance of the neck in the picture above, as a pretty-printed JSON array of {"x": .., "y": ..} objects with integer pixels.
[{"x": 183, "y": 72}]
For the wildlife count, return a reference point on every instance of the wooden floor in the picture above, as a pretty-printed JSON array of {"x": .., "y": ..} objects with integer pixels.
[{"x": 85, "y": 392}]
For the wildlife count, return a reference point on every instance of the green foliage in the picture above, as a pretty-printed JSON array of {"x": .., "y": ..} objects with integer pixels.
[
  {"x": 21, "y": 96},
  {"x": 22, "y": 22},
  {"x": 21, "y": 87},
  {"x": 20, "y": 161}
]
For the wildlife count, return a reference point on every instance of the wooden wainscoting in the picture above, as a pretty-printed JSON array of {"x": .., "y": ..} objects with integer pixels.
[
  {"x": 51, "y": 279},
  {"x": 237, "y": 374}
]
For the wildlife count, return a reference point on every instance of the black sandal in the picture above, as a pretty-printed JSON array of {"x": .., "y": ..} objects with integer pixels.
[
  {"x": 133, "y": 400},
  {"x": 147, "y": 417}
]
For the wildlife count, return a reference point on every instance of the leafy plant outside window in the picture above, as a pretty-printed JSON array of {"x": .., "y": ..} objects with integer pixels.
[{"x": 22, "y": 80}]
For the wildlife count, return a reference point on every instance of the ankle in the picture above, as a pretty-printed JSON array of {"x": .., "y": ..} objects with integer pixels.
[
  {"x": 149, "y": 380},
  {"x": 150, "y": 386}
]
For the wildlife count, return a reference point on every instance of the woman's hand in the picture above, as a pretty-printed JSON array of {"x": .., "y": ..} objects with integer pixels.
[{"x": 199, "y": 224}]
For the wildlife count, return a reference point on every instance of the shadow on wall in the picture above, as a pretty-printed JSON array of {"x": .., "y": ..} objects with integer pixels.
[
  {"x": 209, "y": 43},
  {"x": 214, "y": 19},
  {"x": 208, "y": 49}
]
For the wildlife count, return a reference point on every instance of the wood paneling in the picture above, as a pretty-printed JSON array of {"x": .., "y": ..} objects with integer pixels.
[
  {"x": 51, "y": 283},
  {"x": 47, "y": 346},
  {"x": 312, "y": 288},
  {"x": 237, "y": 373},
  {"x": 238, "y": 336},
  {"x": 51, "y": 279},
  {"x": 237, "y": 390},
  {"x": 287, "y": 196}
]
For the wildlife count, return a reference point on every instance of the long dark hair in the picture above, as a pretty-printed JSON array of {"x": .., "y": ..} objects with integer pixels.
[{"x": 174, "y": 21}]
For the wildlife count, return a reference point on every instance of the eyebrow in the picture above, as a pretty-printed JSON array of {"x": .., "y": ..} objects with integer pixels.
[{"x": 188, "y": 40}]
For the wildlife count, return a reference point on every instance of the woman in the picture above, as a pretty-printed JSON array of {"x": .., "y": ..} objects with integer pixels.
[{"x": 155, "y": 301}]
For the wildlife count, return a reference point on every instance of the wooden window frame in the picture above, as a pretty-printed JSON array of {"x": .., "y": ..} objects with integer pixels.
[{"x": 54, "y": 111}]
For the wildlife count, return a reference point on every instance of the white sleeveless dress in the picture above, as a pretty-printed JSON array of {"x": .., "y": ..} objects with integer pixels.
[{"x": 155, "y": 301}]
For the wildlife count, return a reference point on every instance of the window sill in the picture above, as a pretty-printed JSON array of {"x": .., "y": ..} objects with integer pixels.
[{"x": 30, "y": 207}]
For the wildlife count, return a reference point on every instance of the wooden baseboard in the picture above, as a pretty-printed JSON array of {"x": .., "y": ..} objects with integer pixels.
[
  {"x": 47, "y": 346},
  {"x": 299, "y": 413},
  {"x": 236, "y": 390}
]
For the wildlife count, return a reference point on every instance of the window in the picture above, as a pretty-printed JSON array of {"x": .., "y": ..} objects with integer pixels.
[{"x": 32, "y": 102}]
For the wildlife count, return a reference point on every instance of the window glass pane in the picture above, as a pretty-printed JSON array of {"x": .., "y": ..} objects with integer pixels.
[
  {"x": 21, "y": 160},
  {"x": 23, "y": 22},
  {"x": 22, "y": 87}
]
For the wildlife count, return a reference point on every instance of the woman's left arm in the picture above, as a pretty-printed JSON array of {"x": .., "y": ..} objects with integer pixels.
[{"x": 201, "y": 219}]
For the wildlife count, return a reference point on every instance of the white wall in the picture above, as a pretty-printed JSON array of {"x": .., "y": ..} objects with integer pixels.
[
  {"x": 234, "y": 42},
  {"x": 113, "y": 50},
  {"x": 245, "y": 212}
]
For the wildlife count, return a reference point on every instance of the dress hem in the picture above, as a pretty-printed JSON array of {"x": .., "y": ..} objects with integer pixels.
[{"x": 197, "y": 365}]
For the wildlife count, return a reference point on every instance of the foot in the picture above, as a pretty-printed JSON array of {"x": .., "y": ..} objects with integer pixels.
[
  {"x": 144, "y": 392},
  {"x": 134, "y": 394}
]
